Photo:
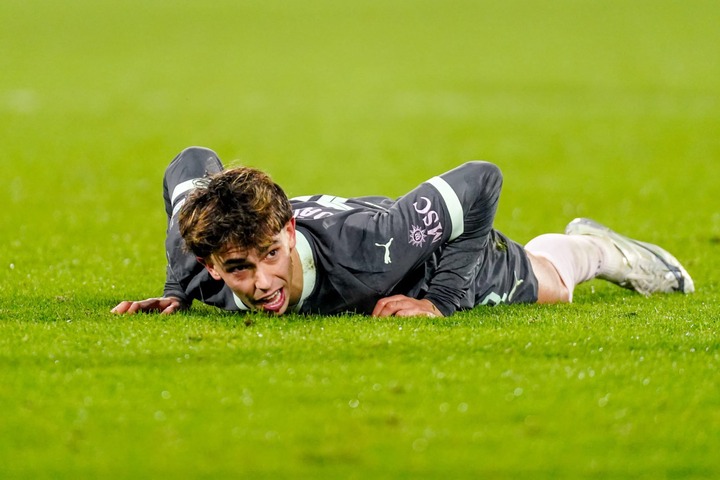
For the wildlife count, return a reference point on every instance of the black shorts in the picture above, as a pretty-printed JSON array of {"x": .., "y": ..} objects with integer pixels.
[{"x": 504, "y": 275}]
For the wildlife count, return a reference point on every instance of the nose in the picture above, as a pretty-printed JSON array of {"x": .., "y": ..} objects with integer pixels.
[{"x": 263, "y": 278}]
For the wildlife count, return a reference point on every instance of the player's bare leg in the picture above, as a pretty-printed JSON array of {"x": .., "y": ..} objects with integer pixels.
[{"x": 551, "y": 288}]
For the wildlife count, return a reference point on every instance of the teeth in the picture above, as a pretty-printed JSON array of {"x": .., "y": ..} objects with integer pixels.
[{"x": 272, "y": 299}]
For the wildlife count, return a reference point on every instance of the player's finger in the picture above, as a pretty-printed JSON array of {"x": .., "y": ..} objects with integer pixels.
[
  {"x": 385, "y": 312},
  {"x": 379, "y": 306},
  {"x": 414, "y": 312},
  {"x": 170, "y": 309},
  {"x": 383, "y": 308},
  {"x": 121, "y": 307},
  {"x": 133, "y": 308},
  {"x": 385, "y": 305},
  {"x": 393, "y": 306},
  {"x": 149, "y": 305}
]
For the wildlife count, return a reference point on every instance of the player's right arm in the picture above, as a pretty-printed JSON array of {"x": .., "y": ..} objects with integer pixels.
[
  {"x": 173, "y": 300},
  {"x": 187, "y": 279},
  {"x": 200, "y": 285}
]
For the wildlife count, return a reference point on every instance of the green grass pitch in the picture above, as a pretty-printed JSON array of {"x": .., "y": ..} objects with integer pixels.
[{"x": 603, "y": 109}]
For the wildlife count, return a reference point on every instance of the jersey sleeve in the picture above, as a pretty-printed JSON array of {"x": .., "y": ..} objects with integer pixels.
[
  {"x": 477, "y": 186},
  {"x": 181, "y": 268},
  {"x": 447, "y": 217},
  {"x": 173, "y": 289}
]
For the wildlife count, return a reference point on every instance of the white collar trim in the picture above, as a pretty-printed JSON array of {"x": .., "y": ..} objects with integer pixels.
[
  {"x": 308, "y": 267},
  {"x": 239, "y": 302}
]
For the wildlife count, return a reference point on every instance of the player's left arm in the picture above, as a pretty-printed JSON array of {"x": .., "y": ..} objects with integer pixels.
[
  {"x": 477, "y": 186},
  {"x": 453, "y": 213}
]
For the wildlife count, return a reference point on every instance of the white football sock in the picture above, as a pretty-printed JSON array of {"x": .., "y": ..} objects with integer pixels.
[{"x": 579, "y": 258}]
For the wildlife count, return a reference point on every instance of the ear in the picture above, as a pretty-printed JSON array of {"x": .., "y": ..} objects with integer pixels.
[
  {"x": 210, "y": 267},
  {"x": 290, "y": 230}
]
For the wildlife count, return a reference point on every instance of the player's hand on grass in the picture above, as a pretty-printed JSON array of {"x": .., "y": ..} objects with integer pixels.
[
  {"x": 164, "y": 306},
  {"x": 402, "y": 306}
]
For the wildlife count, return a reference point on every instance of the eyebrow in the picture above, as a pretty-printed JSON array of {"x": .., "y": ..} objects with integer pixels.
[{"x": 234, "y": 262}]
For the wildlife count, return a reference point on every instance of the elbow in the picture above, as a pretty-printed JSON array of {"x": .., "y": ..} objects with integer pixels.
[
  {"x": 485, "y": 172},
  {"x": 475, "y": 178}
]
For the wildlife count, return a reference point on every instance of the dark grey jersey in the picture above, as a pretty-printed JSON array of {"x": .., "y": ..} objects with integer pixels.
[{"x": 436, "y": 242}]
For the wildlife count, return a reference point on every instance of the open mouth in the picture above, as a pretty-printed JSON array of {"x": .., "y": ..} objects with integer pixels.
[{"x": 274, "y": 302}]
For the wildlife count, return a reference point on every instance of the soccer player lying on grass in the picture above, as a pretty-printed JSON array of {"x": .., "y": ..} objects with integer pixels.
[{"x": 235, "y": 241}]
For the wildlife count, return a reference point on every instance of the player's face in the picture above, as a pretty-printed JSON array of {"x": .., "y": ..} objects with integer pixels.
[{"x": 267, "y": 279}]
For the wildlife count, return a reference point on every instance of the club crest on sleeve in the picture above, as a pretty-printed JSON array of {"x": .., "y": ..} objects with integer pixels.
[{"x": 417, "y": 236}]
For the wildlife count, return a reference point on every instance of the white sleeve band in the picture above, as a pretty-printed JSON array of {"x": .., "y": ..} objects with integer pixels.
[
  {"x": 452, "y": 202},
  {"x": 182, "y": 188}
]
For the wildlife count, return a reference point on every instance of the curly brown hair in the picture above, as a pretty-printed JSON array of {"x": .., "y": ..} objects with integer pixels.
[{"x": 239, "y": 207}]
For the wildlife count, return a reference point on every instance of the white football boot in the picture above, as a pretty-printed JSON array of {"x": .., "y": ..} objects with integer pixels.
[{"x": 647, "y": 267}]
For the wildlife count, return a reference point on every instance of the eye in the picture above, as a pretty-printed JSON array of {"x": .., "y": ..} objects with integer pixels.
[
  {"x": 236, "y": 269},
  {"x": 273, "y": 255}
]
